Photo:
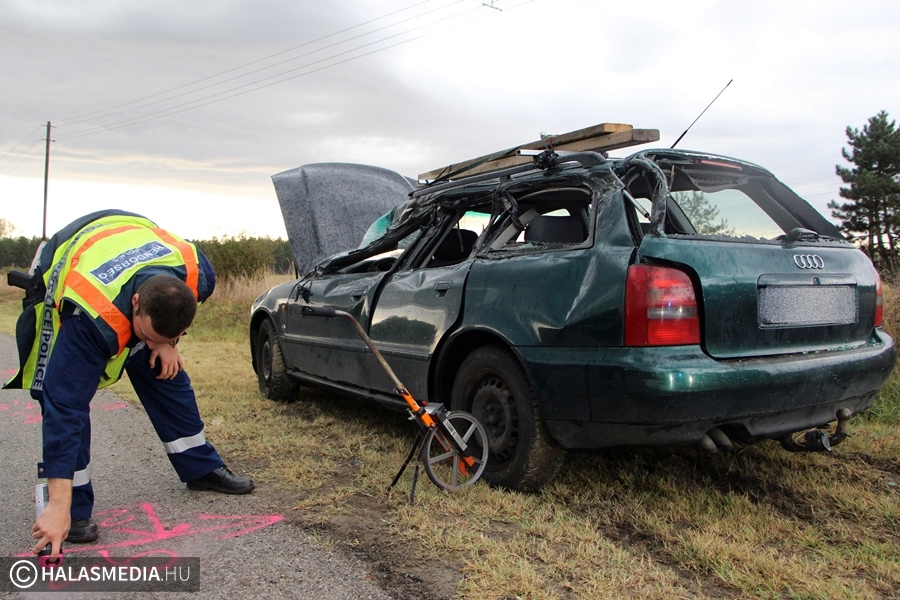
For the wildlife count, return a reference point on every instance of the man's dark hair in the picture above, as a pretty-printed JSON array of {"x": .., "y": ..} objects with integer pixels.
[{"x": 170, "y": 304}]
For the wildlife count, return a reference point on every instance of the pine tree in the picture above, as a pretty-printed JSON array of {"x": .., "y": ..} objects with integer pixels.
[
  {"x": 871, "y": 214},
  {"x": 702, "y": 214}
]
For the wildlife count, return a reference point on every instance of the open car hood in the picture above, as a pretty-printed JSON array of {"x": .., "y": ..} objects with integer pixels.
[{"x": 327, "y": 207}]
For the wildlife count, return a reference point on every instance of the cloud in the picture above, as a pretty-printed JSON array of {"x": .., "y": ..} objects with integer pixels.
[{"x": 219, "y": 95}]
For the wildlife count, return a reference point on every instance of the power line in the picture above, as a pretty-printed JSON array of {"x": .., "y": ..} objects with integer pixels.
[
  {"x": 220, "y": 96},
  {"x": 10, "y": 152},
  {"x": 22, "y": 157},
  {"x": 815, "y": 178},
  {"x": 820, "y": 186},
  {"x": 212, "y": 85},
  {"x": 82, "y": 118}
]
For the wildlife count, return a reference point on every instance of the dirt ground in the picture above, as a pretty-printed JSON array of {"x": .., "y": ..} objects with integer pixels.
[
  {"x": 361, "y": 531},
  {"x": 361, "y": 528}
]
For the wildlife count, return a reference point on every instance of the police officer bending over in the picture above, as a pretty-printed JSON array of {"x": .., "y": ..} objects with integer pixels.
[{"x": 114, "y": 293}]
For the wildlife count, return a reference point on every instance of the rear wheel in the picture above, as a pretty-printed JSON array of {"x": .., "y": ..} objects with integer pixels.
[
  {"x": 274, "y": 381},
  {"x": 492, "y": 385}
]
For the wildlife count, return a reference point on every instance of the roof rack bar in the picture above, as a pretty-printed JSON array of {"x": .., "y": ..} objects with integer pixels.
[
  {"x": 599, "y": 138},
  {"x": 540, "y": 160},
  {"x": 473, "y": 179}
]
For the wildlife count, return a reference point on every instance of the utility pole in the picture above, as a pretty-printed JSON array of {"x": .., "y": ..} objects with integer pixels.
[{"x": 46, "y": 176}]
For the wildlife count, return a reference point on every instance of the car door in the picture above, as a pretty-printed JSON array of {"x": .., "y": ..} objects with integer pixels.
[
  {"x": 330, "y": 349},
  {"x": 418, "y": 305},
  {"x": 414, "y": 310}
]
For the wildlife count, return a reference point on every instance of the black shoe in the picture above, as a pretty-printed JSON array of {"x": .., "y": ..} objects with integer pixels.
[
  {"x": 224, "y": 481},
  {"x": 83, "y": 531}
]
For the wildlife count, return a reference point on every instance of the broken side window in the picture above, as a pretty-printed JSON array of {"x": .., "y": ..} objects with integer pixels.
[
  {"x": 457, "y": 239},
  {"x": 546, "y": 219}
]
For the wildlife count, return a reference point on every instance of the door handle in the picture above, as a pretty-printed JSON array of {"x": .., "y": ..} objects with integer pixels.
[
  {"x": 441, "y": 288},
  {"x": 357, "y": 294}
]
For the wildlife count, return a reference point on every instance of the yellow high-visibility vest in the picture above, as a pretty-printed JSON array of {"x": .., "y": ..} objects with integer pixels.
[{"x": 94, "y": 269}]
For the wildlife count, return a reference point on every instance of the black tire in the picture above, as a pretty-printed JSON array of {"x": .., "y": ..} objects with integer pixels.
[
  {"x": 492, "y": 385},
  {"x": 274, "y": 381}
]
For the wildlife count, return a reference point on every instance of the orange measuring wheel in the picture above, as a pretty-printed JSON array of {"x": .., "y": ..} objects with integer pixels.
[{"x": 452, "y": 445}]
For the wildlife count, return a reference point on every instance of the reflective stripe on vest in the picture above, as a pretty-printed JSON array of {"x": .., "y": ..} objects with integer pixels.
[
  {"x": 187, "y": 255},
  {"x": 95, "y": 286},
  {"x": 106, "y": 310},
  {"x": 47, "y": 317},
  {"x": 104, "y": 307},
  {"x": 98, "y": 302}
]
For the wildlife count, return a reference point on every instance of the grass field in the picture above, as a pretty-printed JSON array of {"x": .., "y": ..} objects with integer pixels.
[{"x": 624, "y": 523}]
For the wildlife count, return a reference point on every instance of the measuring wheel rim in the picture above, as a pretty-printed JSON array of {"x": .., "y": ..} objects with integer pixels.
[{"x": 442, "y": 461}]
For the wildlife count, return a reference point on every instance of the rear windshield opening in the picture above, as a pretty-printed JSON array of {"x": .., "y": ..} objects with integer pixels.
[{"x": 721, "y": 201}]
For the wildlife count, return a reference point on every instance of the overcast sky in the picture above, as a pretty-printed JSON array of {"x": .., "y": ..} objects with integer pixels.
[{"x": 182, "y": 111}]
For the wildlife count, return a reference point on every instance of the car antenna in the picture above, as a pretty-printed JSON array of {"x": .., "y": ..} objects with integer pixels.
[{"x": 700, "y": 115}]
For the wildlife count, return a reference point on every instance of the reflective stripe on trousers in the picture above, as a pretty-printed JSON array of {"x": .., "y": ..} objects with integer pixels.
[
  {"x": 82, "y": 477},
  {"x": 186, "y": 443},
  {"x": 172, "y": 408},
  {"x": 170, "y": 404}
]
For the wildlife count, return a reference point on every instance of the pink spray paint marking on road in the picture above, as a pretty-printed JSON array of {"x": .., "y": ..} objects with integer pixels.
[
  {"x": 24, "y": 411},
  {"x": 144, "y": 527},
  {"x": 29, "y": 411}
]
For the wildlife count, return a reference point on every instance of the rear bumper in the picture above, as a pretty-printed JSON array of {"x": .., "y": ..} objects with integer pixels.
[{"x": 674, "y": 395}]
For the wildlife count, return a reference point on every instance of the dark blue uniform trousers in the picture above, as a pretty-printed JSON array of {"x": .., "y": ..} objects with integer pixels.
[{"x": 73, "y": 373}]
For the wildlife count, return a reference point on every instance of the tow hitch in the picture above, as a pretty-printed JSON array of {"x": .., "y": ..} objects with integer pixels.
[{"x": 818, "y": 440}]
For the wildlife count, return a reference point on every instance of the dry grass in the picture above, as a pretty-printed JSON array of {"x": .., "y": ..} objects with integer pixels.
[{"x": 641, "y": 523}]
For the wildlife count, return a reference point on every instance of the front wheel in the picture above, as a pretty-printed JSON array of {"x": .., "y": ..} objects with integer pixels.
[
  {"x": 274, "y": 381},
  {"x": 492, "y": 385}
]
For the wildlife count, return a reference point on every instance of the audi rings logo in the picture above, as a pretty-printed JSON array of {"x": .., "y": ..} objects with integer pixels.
[{"x": 809, "y": 261}]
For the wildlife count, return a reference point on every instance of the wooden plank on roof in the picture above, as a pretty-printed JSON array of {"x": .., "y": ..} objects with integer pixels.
[
  {"x": 599, "y": 138},
  {"x": 579, "y": 134}
]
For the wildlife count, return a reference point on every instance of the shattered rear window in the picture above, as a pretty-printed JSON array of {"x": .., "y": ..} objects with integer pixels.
[
  {"x": 719, "y": 199},
  {"x": 728, "y": 212}
]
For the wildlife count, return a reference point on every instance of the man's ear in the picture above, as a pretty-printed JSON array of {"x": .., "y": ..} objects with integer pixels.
[{"x": 135, "y": 301}]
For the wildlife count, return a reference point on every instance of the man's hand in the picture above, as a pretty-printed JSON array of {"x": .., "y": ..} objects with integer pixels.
[
  {"x": 52, "y": 525},
  {"x": 169, "y": 359}
]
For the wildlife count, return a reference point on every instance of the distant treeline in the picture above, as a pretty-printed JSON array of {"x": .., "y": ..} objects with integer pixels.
[
  {"x": 18, "y": 251},
  {"x": 246, "y": 256},
  {"x": 230, "y": 256}
]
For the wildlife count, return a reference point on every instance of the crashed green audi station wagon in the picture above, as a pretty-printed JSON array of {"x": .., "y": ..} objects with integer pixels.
[{"x": 572, "y": 300}]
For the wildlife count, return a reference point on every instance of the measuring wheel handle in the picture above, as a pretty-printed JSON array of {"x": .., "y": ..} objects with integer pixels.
[{"x": 454, "y": 447}]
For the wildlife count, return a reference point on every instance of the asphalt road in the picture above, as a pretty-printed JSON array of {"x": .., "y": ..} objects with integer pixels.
[{"x": 245, "y": 549}]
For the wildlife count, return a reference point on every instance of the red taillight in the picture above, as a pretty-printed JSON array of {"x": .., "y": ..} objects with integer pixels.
[
  {"x": 660, "y": 307},
  {"x": 879, "y": 302}
]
